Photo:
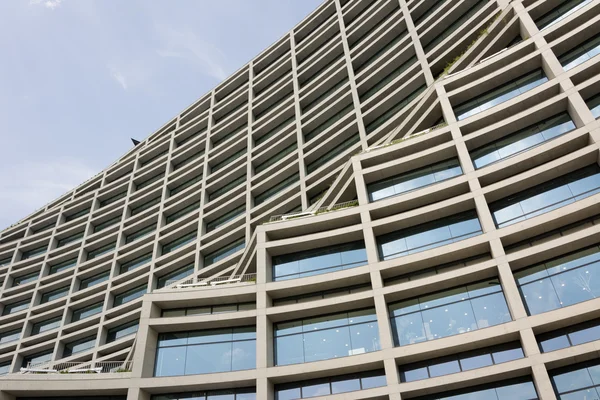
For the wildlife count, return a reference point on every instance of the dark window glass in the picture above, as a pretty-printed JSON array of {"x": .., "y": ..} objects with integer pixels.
[
  {"x": 63, "y": 266},
  {"x": 594, "y": 105},
  {"x": 560, "y": 12},
  {"x": 429, "y": 235},
  {"x": 55, "y": 294},
  {"x": 129, "y": 295},
  {"x": 333, "y": 153},
  {"x": 224, "y": 252},
  {"x": 5, "y": 368},
  {"x": 182, "y": 186},
  {"x": 121, "y": 331},
  {"x": 153, "y": 158},
  {"x": 384, "y": 48},
  {"x": 579, "y": 381},
  {"x": 101, "y": 250},
  {"x": 83, "y": 313},
  {"x": 149, "y": 181},
  {"x": 221, "y": 191},
  {"x": 103, "y": 225},
  {"x": 522, "y": 140},
  {"x": 175, "y": 276},
  {"x": 113, "y": 199},
  {"x": 272, "y": 160},
  {"x": 94, "y": 280},
  {"x": 227, "y": 160},
  {"x": 188, "y": 160},
  {"x": 319, "y": 261},
  {"x": 225, "y": 218},
  {"x": 448, "y": 313},
  {"x": 321, "y": 295},
  {"x": 16, "y": 307},
  {"x": 79, "y": 346},
  {"x": 207, "y": 310},
  {"x": 135, "y": 263},
  {"x": 580, "y": 54},
  {"x": 23, "y": 279},
  {"x": 324, "y": 95},
  {"x": 5, "y": 261},
  {"x": 561, "y": 281},
  {"x": 70, "y": 239},
  {"x": 145, "y": 206},
  {"x": 414, "y": 179},
  {"x": 183, "y": 212},
  {"x": 33, "y": 252},
  {"x": 228, "y": 394},
  {"x": 223, "y": 139},
  {"x": 208, "y": 351},
  {"x": 77, "y": 214},
  {"x": 388, "y": 78},
  {"x": 326, "y": 337},
  {"x": 429, "y": 11},
  {"x": 500, "y": 94},
  {"x": 46, "y": 325},
  {"x": 178, "y": 243},
  {"x": 281, "y": 186},
  {"x": 329, "y": 122},
  {"x": 10, "y": 336},
  {"x": 392, "y": 111},
  {"x": 140, "y": 234},
  {"x": 273, "y": 131}
]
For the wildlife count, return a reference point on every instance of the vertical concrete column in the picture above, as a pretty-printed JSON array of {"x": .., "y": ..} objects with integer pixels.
[
  {"x": 542, "y": 382},
  {"x": 145, "y": 345},
  {"x": 137, "y": 394},
  {"x": 264, "y": 388},
  {"x": 528, "y": 342}
]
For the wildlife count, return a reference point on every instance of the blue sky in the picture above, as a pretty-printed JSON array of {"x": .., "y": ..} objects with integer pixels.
[{"x": 78, "y": 78}]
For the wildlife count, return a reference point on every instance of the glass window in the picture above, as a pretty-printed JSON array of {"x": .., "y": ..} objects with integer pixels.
[
  {"x": 321, "y": 295},
  {"x": 448, "y": 313},
  {"x": 227, "y": 160},
  {"x": 319, "y": 261},
  {"x": 46, "y": 325},
  {"x": 38, "y": 359},
  {"x": 594, "y": 105},
  {"x": 219, "y": 141},
  {"x": 388, "y": 78},
  {"x": 135, "y": 263},
  {"x": 581, "y": 53},
  {"x": 561, "y": 281},
  {"x": 23, "y": 279},
  {"x": 272, "y": 132},
  {"x": 153, "y": 158},
  {"x": 328, "y": 123},
  {"x": 272, "y": 160},
  {"x": 129, "y": 295},
  {"x": 224, "y": 252},
  {"x": 70, "y": 239},
  {"x": 429, "y": 12},
  {"x": 394, "y": 110},
  {"x": 103, "y": 225},
  {"x": 181, "y": 312},
  {"x": 55, "y": 294},
  {"x": 101, "y": 250},
  {"x": 560, "y": 12},
  {"x": 33, "y": 252},
  {"x": 222, "y": 190},
  {"x": 515, "y": 389},
  {"x": 382, "y": 50},
  {"x": 179, "y": 242},
  {"x": 225, "y": 218},
  {"x": 280, "y": 187},
  {"x": 149, "y": 181},
  {"x": 79, "y": 346},
  {"x": 326, "y": 337},
  {"x": 333, "y": 153},
  {"x": 113, "y": 199},
  {"x": 500, "y": 94},
  {"x": 228, "y": 394},
  {"x": 5, "y": 367},
  {"x": 175, "y": 276},
  {"x": 461, "y": 362},
  {"x": 183, "y": 212},
  {"x": 208, "y": 351},
  {"x": 121, "y": 331},
  {"x": 77, "y": 214},
  {"x": 429, "y": 235},
  {"x": 522, "y": 140},
  {"x": 182, "y": 186},
  {"x": 333, "y": 385},
  {"x": 414, "y": 179},
  {"x": 5, "y": 261},
  {"x": 145, "y": 206},
  {"x": 10, "y": 336},
  {"x": 188, "y": 160},
  {"x": 62, "y": 266},
  {"x": 547, "y": 196},
  {"x": 579, "y": 381},
  {"x": 94, "y": 280},
  {"x": 140, "y": 234},
  {"x": 83, "y": 313},
  {"x": 16, "y": 307}
]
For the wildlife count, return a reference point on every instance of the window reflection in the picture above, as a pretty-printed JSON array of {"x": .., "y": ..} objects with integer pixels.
[
  {"x": 229, "y": 394},
  {"x": 581, "y": 53},
  {"x": 547, "y": 196},
  {"x": 561, "y": 282},
  {"x": 516, "y": 389},
  {"x": 570, "y": 336},
  {"x": 560, "y": 12},
  {"x": 333, "y": 385},
  {"x": 326, "y": 337},
  {"x": 448, "y": 313},
  {"x": 594, "y": 105},
  {"x": 580, "y": 381}
]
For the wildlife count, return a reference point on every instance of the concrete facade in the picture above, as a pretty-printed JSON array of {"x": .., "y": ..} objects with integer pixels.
[{"x": 326, "y": 88}]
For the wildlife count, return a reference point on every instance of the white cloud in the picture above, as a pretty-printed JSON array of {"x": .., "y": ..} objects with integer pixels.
[
  {"x": 118, "y": 76},
  {"x": 186, "y": 45},
  {"x": 51, "y": 4},
  {"x": 24, "y": 188}
]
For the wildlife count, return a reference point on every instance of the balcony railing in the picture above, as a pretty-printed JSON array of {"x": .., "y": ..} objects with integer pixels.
[
  {"x": 335, "y": 207},
  {"x": 88, "y": 367},
  {"x": 197, "y": 282}
]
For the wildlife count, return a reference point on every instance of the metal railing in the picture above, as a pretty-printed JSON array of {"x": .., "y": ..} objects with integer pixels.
[
  {"x": 87, "y": 367},
  {"x": 203, "y": 281},
  {"x": 321, "y": 210}
]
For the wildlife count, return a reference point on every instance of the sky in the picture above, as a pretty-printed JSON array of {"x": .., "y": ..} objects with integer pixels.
[{"x": 79, "y": 78}]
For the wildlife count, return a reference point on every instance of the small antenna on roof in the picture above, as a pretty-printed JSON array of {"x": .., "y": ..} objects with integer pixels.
[{"x": 135, "y": 142}]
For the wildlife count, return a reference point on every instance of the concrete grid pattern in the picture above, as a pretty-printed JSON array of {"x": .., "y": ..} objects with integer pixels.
[{"x": 317, "y": 79}]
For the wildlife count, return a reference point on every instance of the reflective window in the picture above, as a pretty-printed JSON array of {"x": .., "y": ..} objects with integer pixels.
[
  {"x": 581, "y": 53},
  {"x": 281, "y": 186},
  {"x": 319, "y": 261},
  {"x": 23, "y": 279},
  {"x": 94, "y": 280},
  {"x": 5, "y": 367},
  {"x": 334, "y": 385},
  {"x": 437, "y": 39},
  {"x": 392, "y": 111},
  {"x": 205, "y": 352},
  {"x": 224, "y": 252},
  {"x": 461, "y": 362},
  {"x": 179, "y": 242},
  {"x": 308, "y": 136},
  {"x": 321, "y": 295},
  {"x": 33, "y": 252},
  {"x": 79, "y": 346},
  {"x": 123, "y": 330},
  {"x": 561, "y": 281},
  {"x": 222, "y": 190},
  {"x": 16, "y": 307},
  {"x": 46, "y": 325},
  {"x": 145, "y": 206},
  {"x": 101, "y": 250},
  {"x": 429, "y": 235},
  {"x": 331, "y": 154},
  {"x": 594, "y": 105},
  {"x": 102, "y": 226},
  {"x": 132, "y": 237},
  {"x": 69, "y": 239},
  {"x": 415, "y": 179},
  {"x": 129, "y": 295},
  {"x": 570, "y": 336},
  {"x": 56, "y": 268},
  {"x": 33, "y": 360},
  {"x": 113, "y": 199},
  {"x": 135, "y": 263},
  {"x": 500, "y": 94},
  {"x": 83, "y": 313},
  {"x": 325, "y": 337},
  {"x": 5, "y": 261},
  {"x": 448, "y": 313},
  {"x": 175, "y": 276},
  {"x": 228, "y": 394},
  {"x": 225, "y": 218},
  {"x": 55, "y": 294},
  {"x": 207, "y": 310},
  {"x": 579, "y": 381},
  {"x": 183, "y": 212},
  {"x": 560, "y": 12},
  {"x": 516, "y": 389},
  {"x": 10, "y": 336},
  {"x": 77, "y": 214},
  {"x": 522, "y": 140},
  {"x": 547, "y": 196}
]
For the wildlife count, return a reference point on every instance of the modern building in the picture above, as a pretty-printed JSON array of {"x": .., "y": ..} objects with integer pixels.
[{"x": 398, "y": 199}]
